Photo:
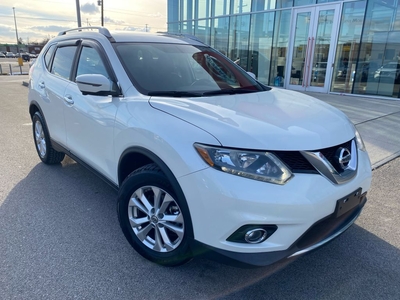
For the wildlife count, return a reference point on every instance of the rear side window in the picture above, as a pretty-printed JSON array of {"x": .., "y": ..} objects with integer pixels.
[
  {"x": 63, "y": 60},
  {"x": 47, "y": 56}
]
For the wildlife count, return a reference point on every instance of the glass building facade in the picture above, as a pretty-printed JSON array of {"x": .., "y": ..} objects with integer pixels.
[{"x": 350, "y": 47}]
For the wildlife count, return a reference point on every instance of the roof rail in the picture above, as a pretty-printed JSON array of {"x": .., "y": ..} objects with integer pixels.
[
  {"x": 183, "y": 35},
  {"x": 104, "y": 31}
]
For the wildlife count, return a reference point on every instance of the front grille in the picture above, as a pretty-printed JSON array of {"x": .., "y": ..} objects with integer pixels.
[
  {"x": 329, "y": 154},
  {"x": 299, "y": 164},
  {"x": 295, "y": 161}
]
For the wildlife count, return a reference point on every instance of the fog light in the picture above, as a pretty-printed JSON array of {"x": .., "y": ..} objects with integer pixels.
[
  {"x": 252, "y": 233},
  {"x": 256, "y": 236}
]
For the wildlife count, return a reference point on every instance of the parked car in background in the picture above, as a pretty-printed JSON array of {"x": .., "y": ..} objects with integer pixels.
[
  {"x": 26, "y": 56},
  {"x": 2, "y": 55},
  {"x": 205, "y": 158},
  {"x": 389, "y": 72},
  {"x": 10, "y": 55}
]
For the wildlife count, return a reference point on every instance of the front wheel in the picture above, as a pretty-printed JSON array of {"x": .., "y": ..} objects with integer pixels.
[{"x": 155, "y": 221}]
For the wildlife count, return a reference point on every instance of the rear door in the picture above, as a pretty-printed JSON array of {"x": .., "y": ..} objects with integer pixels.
[{"x": 52, "y": 85}]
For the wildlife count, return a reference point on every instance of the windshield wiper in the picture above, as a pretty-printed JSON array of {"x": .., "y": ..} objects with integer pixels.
[
  {"x": 174, "y": 94},
  {"x": 229, "y": 92}
]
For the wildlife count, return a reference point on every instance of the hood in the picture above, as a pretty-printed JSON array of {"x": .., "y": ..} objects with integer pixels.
[{"x": 271, "y": 120}]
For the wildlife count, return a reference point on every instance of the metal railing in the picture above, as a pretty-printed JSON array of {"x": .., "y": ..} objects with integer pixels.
[{"x": 10, "y": 68}]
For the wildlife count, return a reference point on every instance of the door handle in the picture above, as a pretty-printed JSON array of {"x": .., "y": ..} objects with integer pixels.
[
  {"x": 41, "y": 85},
  {"x": 68, "y": 99}
]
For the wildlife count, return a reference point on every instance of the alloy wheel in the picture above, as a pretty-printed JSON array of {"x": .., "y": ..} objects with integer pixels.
[
  {"x": 40, "y": 139},
  {"x": 156, "y": 218}
]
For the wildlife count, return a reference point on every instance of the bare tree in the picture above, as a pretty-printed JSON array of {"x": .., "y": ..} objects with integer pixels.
[{"x": 44, "y": 41}]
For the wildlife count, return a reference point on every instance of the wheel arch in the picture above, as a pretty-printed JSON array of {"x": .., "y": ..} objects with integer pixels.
[
  {"x": 136, "y": 157},
  {"x": 35, "y": 107}
]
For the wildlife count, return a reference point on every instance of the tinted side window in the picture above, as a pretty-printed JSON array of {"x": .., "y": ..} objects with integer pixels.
[
  {"x": 47, "y": 56},
  {"x": 62, "y": 63},
  {"x": 90, "y": 62}
]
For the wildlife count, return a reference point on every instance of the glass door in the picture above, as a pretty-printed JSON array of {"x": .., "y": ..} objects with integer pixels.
[{"x": 311, "y": 51}]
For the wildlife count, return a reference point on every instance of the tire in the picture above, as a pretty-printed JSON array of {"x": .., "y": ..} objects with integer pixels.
[
  {"x": 158, "y": 230},
  {"x": 42, "y": 141}
]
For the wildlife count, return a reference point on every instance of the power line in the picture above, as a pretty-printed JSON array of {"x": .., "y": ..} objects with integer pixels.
[
  {"x": 129, "y": 13},
  {"x": 37, "y": 18}
]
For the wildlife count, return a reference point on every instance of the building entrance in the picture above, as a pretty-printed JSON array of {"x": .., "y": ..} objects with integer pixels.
[{"x": 312, "y": 48}]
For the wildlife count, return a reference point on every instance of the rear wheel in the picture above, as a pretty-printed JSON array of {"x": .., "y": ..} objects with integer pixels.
[
  {"x": 42, "y": 141},
  {"x": 154, "y": 219}
]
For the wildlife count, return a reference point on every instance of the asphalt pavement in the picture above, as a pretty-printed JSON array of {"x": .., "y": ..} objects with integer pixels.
[{"x": 60, "y": 237}]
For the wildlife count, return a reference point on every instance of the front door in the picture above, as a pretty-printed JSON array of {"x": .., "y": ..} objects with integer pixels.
[{"x": 311, "y": 51}]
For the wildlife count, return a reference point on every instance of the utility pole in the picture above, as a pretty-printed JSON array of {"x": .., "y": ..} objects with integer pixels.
[
  {"x": 101, "y": 4},
  {"x": 78, "y": 13},
  {"x": 16, "y": 31}
]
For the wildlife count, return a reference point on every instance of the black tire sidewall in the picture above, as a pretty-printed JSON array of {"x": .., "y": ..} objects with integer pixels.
[{"x": 133, "y": 182}]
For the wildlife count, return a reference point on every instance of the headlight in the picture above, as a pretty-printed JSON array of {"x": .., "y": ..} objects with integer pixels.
[
  {"x": 360, "y": 142},
  {"x": 257, "y": 165}
]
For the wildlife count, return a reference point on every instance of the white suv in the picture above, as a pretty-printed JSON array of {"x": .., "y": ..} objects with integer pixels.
[{"x": 205, "y": 158}]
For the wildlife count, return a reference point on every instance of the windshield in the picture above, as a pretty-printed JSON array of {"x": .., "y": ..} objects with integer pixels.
[{"x": 183, "y": 70}]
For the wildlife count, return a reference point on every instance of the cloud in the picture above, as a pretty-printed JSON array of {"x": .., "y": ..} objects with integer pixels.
[
  {"x": 90, "y": 8},
  {"x": 50, "y": 28},
  {"x": 134, "y": 28},
  {"x": 108, "y": 20},
  {"x": 156, "y": 15}
]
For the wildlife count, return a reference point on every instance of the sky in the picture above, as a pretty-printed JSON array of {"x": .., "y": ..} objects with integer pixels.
[{"x": 41, "y": 19}]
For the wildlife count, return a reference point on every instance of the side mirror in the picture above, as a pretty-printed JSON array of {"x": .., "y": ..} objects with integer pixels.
[{"x": 97, "y": 85}]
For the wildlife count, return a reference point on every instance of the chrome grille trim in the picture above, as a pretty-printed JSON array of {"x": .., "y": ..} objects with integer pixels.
[{"x": 325, "y": 168}]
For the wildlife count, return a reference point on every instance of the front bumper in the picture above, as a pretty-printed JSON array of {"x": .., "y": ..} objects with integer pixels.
[
  {"x": 302, "y": 210},
  {"x": 321, "y": 233}
]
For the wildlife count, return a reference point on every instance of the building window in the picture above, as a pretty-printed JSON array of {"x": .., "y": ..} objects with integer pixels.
[
  {"x": 174, "y": 27},
  {"x": 378, "y": 68},
  {"x": 204, "y": 8},
  {"x": 221, "y": 7},
  {"x": 348, "y": 46},
  {"x": 259, "y": 5},
  {"x": 187, "y": 27},
  {"x": 280, "y": 45},
  {"x": 173, "y": 10},
  {"x": 188, "y": 10},
  {"x": 239, "y": 39},
  {"x": 219, "y": 34},
  {"x": 202, "y": 31},
  {"x": 303, "y": 2},
  {"x": 260, "y": 50},
  {"x": 241, "y": 6},
  {"x": 284, "y": 3}
]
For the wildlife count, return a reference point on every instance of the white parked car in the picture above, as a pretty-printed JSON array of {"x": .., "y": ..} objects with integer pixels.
[{"x": 205, "y": 158}]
